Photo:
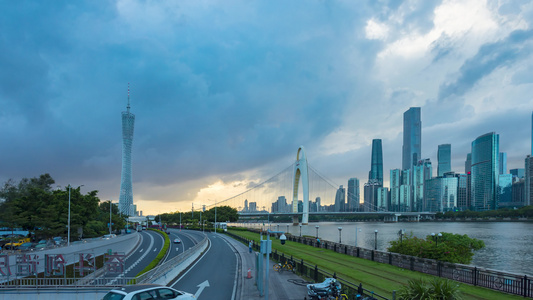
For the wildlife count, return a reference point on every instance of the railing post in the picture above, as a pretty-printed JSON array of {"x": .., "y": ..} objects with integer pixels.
[
  {"x": 373, "y": 255},
  {"x": 412, "y": 267},
  {"x": 390, "y": 259},
  {"x": 439, "y": 272},
  {"x": 393, "y": 294},
  {"x": 525, "y": 286},
  {"x": 357, "y": 251},
  {"x": 474, "y": 278}
]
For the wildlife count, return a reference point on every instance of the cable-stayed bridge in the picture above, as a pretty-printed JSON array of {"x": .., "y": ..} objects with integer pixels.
[{"x": 300, "y": 190}]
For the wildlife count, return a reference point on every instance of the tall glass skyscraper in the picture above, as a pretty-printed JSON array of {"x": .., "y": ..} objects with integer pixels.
[
  {"x": 395, "y": 183},
  {"x": 444, "y": 158},
  {"x": 502, "y": 163},
  {"x": 485, "y": 172},
  {"x": 376, "y": 168},
  {"x": 412, "y": 138},
  {"x": 353, "y": 194},
  {"x": 126, "y": 194}
]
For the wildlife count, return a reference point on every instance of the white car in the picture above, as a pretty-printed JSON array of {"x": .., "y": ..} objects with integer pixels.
[{"x": 146, "y": 291}]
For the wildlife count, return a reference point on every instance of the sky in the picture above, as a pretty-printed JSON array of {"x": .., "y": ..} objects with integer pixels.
[{"x": 224, "y": 92}]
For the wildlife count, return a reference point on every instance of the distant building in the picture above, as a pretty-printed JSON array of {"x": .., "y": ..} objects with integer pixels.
[
  {"x": 352, "y": 194},
  {"x": 280, "y": 205},
  {"x": 340, "y": 199},
  {"x": 382, "y": 199},
  {"x": 125, "y": 202},
  {"x": 444, "y": 159},
  {"x": 520, "y": 173},
  {"x": 485, "y": 171},
  {"x": 421, "y": 172},
  {"x": 505, "y": 188},
  {"x": 412, "y": 138},
  {"x": 318, "y": 205},
  {"x": 518, "y": 192},
  {"x": 502, "y": 163},
  {"x": 253, "y": 206},
  {"x": 405, "y": 197},
  {"x": 468, "y": 163},
  {"x": 376, "y": 167},
  {"x": 395, "y": 182},
  {"x": 528, "y": 184},
  {"x": 370, "y": 195},
  {"x": 246, "y": 205},
  {"x": 444, "y": 193}
]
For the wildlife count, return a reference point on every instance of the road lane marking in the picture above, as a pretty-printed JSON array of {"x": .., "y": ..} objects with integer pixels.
[{"x": 201, "y": 286}]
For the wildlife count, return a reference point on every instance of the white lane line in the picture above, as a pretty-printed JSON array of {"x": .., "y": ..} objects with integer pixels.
[
  {"x": 137, "y": 262},
  {"x": 141, "y": 251}
]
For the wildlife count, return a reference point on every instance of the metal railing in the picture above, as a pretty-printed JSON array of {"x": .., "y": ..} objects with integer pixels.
[
  {"x": 313, "y": 272},
  {"x": 511, "y": 283}
]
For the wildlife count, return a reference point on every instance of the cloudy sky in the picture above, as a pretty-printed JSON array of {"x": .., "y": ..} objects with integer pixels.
[{"x": 224, "y": 92}]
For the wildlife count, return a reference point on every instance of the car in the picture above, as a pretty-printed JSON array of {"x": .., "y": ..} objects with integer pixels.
[
  {"x": 26, "y": 246},
  {"x": 177, "y": 241},
  {"x": 147, "y": 291}
]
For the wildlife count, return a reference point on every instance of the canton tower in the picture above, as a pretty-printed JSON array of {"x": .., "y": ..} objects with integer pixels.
[{"x": 126, "y": 195}]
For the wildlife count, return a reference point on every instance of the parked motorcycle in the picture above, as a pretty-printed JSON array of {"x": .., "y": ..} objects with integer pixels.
[{"x": 329, "y": 287}]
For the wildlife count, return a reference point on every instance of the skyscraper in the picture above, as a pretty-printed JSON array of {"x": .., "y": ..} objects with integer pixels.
[
  {"x": 376, "y": 168},
  {"x": 444, "y": 158},
  {"x": 353, "y": 194},
  {"x": 528, "y": 184},
  {"x": 412, "y": 138},
  {"x": 395, "y": 182},
  {"x": 126, "y": 194},
  {"x": 502, "y": 163},
  {"x": 485, "y": 172},
  {"x": 422, "y": 171},
  {"x": 340, "y": 199}
]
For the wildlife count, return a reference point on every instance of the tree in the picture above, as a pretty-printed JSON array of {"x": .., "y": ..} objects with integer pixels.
[{"x": 454, "y": 248}]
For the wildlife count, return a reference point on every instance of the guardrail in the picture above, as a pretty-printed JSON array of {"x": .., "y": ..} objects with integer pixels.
[{"x": 166, "y": 267}]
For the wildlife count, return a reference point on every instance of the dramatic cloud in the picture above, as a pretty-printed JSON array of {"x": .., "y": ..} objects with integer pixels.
[{"x": 225, "y": 92}]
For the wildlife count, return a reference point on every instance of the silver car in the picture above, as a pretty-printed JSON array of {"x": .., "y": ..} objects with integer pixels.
[{"x": 147, "y": 291}]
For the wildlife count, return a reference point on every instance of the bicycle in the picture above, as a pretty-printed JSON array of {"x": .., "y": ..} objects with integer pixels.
[{"x": 288, "y": 265}]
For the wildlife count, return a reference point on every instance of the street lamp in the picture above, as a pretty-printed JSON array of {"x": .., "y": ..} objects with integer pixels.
[
  {"x": 376, "y": 240},
  {"x": 300, "y": 230},
  {"x": 340, "y": 229},
  {"x": 317, "y": 230},
  {"x": 401, "y": 233},
  {"x": 287, "y": 228},
  {"x": 110, "y": 207},
  {"x": 438, "y": 236}
]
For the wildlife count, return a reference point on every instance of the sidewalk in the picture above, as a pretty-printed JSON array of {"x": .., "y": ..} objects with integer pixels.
[{"x": 281, "y": 286}]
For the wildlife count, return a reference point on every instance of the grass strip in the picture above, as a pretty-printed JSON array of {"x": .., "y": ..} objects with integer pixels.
[
  {"x": 378, "y": 277},
  {"x": 160, "y": 255}
]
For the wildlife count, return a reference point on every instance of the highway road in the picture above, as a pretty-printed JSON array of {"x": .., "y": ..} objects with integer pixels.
[{"x": 214, "y": 275}]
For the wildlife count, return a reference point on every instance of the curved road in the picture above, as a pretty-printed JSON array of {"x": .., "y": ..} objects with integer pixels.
[{"x": 218, "y": 267}]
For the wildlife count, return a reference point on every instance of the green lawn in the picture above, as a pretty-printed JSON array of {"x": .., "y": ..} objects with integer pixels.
[{"x": 377, "y": 277}]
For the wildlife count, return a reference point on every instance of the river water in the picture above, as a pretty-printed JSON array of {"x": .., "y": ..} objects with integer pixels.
[{"x": 508, "y": 245}]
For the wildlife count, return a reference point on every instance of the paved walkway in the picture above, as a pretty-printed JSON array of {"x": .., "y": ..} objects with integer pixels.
[{"x": 281, "y": 285}]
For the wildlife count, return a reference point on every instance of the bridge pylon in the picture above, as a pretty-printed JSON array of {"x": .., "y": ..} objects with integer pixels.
[{"x": 301, "y": 173}]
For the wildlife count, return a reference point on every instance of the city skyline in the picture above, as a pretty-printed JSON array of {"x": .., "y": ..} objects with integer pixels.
[{"x": 225, "y": 92}]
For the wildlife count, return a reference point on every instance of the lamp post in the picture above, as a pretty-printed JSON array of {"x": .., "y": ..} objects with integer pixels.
[
  {"x": 287, "y": 228},
  {"x": 300, "y": 230},
  {"x": 401, "y": 233},
  {"x": 340, "y": 229},
  {"x": 376, "y": 239},
  {"x": 317, "y": 230},
  {"x": 68, "y": 225},
  {"x": 438, "y": 236},
  {"x": 110, "y": 207},
  {"x": 433, "y": 236},
  {"x": 356, "y": 230}
]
